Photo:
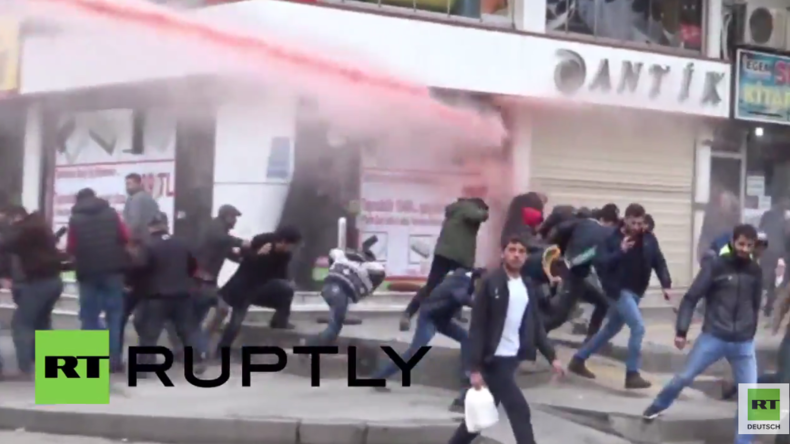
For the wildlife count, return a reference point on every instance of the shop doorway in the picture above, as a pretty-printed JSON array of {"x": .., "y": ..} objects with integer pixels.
[{"x": 723, "y": 189}]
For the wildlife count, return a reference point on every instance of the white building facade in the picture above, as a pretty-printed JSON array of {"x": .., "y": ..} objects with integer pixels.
[{"x": 589, "y": 124}]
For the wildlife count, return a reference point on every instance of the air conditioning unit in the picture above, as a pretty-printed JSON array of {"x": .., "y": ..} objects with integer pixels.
[{"x": 765, "y": 25}]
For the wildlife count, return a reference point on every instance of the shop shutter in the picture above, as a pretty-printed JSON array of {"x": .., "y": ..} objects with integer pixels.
[{"x": 592, "y": 158}]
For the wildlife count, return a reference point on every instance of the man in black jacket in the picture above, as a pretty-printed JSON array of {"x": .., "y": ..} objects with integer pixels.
[
  {"x": 34, "y": 249},
  {"x": 166, "y": 266},
  {"x": 579, "y": 240},
  {"x": 97, "y": 239},
  {"x": 505, "y": 329},
  {"x": 261, "y": 279},
  {"x": 626, "y": 261},
  {"x": 216, "y": 245},
  {"x": 732, "y": 287}
]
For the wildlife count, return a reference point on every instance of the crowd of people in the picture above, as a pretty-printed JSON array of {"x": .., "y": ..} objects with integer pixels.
[{"x": 129, "y": 264}]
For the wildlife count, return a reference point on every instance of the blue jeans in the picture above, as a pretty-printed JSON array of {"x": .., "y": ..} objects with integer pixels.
[
  {"x": 707, "y": 350},
  {"x": 99, "y": 294},
  {"x": 425, "y": 331},
  {"x": 625, "y": 311},
  {"x": 35, "y": 301},
  {"x": 338, "y": 300}
]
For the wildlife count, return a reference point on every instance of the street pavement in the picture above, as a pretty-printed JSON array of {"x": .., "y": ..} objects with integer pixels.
[
  {"x": 23, "y": 437},
  {"x": 568, "y": 410}
]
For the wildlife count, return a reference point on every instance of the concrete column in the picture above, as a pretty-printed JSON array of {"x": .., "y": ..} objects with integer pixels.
[
  {"x": 713, "y": 29},
  {"x": 702, "y": 162},
  {"x": 32, "y": 179},
  {"x": 522, "y": 152},
  {"x": 530, "y": 15}
]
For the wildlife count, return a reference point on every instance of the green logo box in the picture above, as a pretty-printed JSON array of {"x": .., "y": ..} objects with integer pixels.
[
  {"x": 764, "y": 404},
  {"x": 80, "y": 344}
]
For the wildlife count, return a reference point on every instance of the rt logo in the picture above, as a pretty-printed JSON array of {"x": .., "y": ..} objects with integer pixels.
[
  {"x": 72, "y": 367},
  {"x": 763, "y": 409},
  {"x": 764, "y": 405}
]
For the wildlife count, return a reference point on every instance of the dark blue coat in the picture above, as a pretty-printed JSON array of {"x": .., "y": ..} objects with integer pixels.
[
  {"x": 454, "y": 292},
  {"x": 611, "y": 270}
]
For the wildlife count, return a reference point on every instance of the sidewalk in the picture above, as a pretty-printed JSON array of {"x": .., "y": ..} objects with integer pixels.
[{"x": 274, "y": 410}]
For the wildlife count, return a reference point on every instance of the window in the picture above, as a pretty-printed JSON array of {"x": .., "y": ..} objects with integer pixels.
[
  {"x": 472, "y": 9},
  {"x": 671, "y": 23}
]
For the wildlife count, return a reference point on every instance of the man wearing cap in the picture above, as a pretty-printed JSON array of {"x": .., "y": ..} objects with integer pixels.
[
  {"x": 166, "y": 266},
  {"x": 215, "y": 246}
]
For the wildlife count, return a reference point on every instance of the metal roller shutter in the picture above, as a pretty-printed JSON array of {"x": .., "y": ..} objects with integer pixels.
[{"x": 592, "y": 158}]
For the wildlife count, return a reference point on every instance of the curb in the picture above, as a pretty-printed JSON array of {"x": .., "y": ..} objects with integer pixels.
[
  {"x": 634, "y": 429},
  {"x": 181, "y": 430},
  {"x": 664, "y": 359}
]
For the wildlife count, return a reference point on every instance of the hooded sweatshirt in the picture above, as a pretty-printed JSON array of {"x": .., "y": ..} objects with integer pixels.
[
  {"x": 33, "y": 248},
  {"x": 97, "y": 238},
  {"x": 458, "y": 238},
  {"x": 524, "y": 215}
]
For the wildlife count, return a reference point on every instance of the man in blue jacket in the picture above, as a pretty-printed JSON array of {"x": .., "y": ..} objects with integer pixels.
[
  {"x": 628, "y": 257},
  {"x": 436, "y": 316}
]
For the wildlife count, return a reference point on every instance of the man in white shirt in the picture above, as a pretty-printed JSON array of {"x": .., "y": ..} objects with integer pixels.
[{"x": 505, "y": 330}]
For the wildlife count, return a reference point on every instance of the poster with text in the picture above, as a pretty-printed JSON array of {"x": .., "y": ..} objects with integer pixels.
[
  {"x": 403, "y": 203},
  {"x": 94, "y": 150}
]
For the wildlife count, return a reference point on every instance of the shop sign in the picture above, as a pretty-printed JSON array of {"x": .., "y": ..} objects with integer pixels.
[
  {"x": 573, "y": 73},
  {"x": 9, "y": 55},
  {"x": 762, "y": 87}
]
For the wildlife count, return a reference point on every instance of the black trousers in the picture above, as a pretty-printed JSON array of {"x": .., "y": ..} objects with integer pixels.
[
  {"x": 130, "y": 301},
  {"x": 500, "y": 377},
  {"x": 573, "y": 289},
  {"x": 277, "y": 294},
  {"x": 440, "y": 266},
  {"x": 153, "y": 314}
]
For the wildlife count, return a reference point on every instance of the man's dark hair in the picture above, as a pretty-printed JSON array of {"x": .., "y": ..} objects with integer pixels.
[
  {"x": 514, "y": 239},
  {"x": 288, "y": 234},
  {"x": 745, "y": 230},
  {"x": 85, "y": 193},
  {"x": 609, "y": 213},
  {"x": 650, "y": 222},
  {"x": 584, "y": 213},
  {"x": 135, "y": 177},
  {"x": 635, "y": 210}
]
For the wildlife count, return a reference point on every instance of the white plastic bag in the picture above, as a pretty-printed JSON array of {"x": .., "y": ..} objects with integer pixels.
[{"x": 480, "y": 411}]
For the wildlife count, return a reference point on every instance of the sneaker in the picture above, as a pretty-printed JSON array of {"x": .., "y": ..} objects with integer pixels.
[
  {"x": 457, "y": 406},
  {"x": 405, "y": 323},
  {"x": 382, "y": 389},
  {"x": 577, "y": 366},
  {"x": 651, "y": 413},
  {"x": 633, "y": 380}
]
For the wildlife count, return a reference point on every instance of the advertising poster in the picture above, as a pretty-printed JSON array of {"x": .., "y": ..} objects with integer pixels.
[
  {"x": 762, "y": 87},
  {"x": 402, "y": 203},
  {"x": 9, "y": 55},
  {"x": 94, "y": 150}
]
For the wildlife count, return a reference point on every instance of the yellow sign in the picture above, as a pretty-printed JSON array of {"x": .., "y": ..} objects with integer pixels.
[{"x": 9, "y": 55}]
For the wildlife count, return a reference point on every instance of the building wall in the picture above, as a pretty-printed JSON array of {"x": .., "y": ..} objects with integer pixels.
[{"x": 433, "y": 54}]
